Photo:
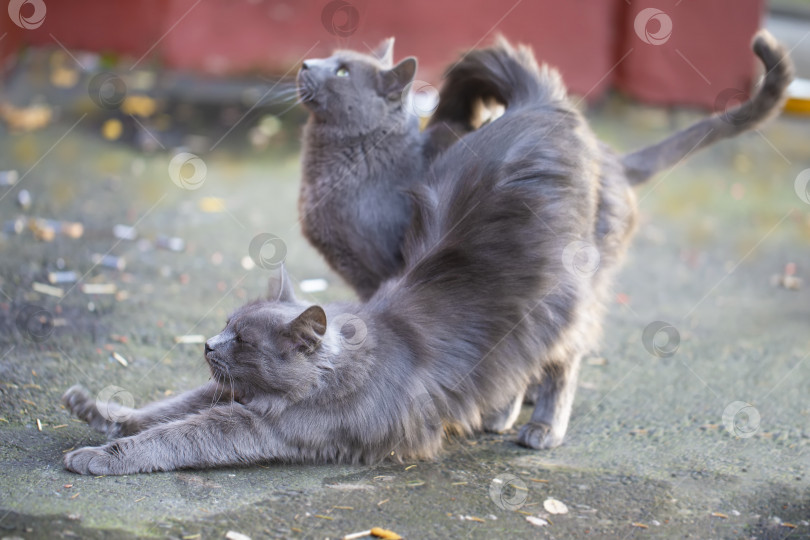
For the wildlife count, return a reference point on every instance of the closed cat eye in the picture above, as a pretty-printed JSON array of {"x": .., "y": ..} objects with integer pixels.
[{"x": 342, "y": 71}]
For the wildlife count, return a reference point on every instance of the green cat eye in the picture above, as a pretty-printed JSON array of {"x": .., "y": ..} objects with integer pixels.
[{"x": 342, "y": 72}]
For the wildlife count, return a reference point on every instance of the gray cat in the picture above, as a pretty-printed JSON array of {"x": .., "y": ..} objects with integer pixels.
[
  {"x": 490, "y": 300},
  {"x": 363, "y": 151}
]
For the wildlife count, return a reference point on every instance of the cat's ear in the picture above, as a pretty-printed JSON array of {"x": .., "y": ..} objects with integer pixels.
[
  {"x": 280, "y": 288},
  {"x": 308, "y": 328},
  {"x": 398, "y": 77},
  {"x": 385, "y": 52}
]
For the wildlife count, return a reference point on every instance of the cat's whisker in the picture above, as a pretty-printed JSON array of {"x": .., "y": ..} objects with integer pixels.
[
  {"x": 232, "y": 392},
  {"x": 291, "y": 107},
  {"x": 218, "y": 393},
  {"x": 284, "y": 91}
]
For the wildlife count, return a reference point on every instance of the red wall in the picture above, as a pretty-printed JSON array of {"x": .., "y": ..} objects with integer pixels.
[
  {"x": 707, "y": 52},
  {"x": 584, "y": 38}
]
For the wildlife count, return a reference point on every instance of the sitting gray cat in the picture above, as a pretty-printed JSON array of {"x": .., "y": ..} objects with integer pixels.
[
  {"x": 363, "y": 151},
  {"x": 487, "y": 303}
]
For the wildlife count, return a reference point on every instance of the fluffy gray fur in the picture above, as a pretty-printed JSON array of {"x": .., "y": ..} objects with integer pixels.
[{"x": 487, "y": 303}]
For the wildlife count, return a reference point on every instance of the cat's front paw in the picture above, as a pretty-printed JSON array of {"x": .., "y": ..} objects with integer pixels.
[
  {"x": 89, "y": 460},
  {"x": 538, "y": 435},
  {"x": 78, "y": 401}
]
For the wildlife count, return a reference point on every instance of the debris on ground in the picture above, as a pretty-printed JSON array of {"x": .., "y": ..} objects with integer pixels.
[
  {"x": 50, "y": 290},
  {"x": 171, "y": 243},
  {"x": 189, "y": 339},
  {"x": 787, "y": 279},
  {"x": 385, "y": 533},
  {"x": 64, "y": 276},
  {"x": 537, "y": 521},
  {"x": 24, "y": 199},
  {"x": 109, "y": 261},
  {"x": 8, "y": 178},
  {"x": 553, "y": 506},
  {"x": 120, "y": 359},
  {"x": 99, "y": 288},
  {"x": 125, "y": 232},
  {"x": 28, "y": 118}
]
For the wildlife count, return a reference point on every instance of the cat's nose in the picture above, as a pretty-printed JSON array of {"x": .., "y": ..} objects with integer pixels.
[
  {"x": 305, "y": 65},
  {"x": 208, "y": 347}
]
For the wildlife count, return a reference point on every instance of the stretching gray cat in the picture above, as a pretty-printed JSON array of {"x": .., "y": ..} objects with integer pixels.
[
  {"x": 487, "y": 302},
  {"x": 354, "y": 210}
]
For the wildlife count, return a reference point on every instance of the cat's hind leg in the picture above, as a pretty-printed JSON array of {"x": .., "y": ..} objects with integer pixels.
[
  {"x": 554, "y": 402},
  {"x": 503, "y": 420}
]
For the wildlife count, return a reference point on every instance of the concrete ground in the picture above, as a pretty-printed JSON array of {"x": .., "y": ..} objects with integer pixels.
[{"x": 709, "y": 439}]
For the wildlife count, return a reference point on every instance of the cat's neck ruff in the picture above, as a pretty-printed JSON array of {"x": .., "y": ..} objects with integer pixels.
[{"x": 326, "y": 132}]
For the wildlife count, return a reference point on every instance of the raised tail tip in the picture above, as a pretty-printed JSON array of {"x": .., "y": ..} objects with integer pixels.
[
  {"x": 772, "y": 53},
  {"x": 765, "y": 41}
]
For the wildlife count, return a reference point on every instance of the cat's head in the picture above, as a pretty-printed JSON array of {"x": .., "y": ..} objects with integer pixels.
[
  {"x": 355, "y": 91},
  {"x": 272, "y": 346}
]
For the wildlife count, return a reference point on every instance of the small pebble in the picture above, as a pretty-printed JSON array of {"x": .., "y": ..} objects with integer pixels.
[
  {"x": 8, "y": 178},
  {"x": 172, "y": 243},
  {"x": 125, "y": 232},
  {"x": 24, "y": 199},
  {"x": 15, "y": 226}
]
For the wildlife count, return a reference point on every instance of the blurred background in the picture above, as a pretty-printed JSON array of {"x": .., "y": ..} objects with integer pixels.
[{"x": 143, "y": 145}]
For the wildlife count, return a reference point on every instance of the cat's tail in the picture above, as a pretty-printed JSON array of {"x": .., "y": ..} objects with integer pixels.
[
  {"x": 768, "y": 101},
  {"x": 508, "y": 74}
]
